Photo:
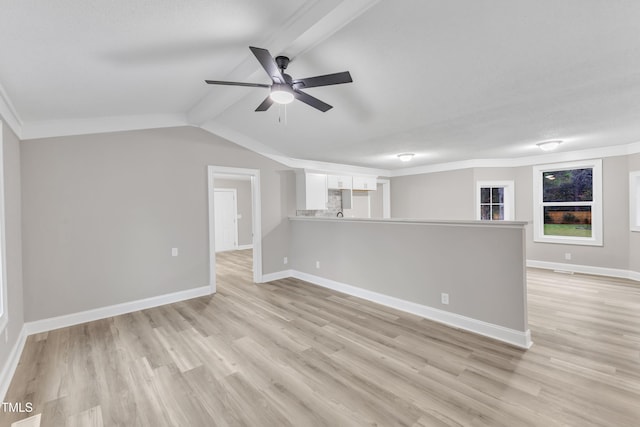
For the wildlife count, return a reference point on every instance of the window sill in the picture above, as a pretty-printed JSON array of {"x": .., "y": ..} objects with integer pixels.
[{"x": 568, "y": 241}]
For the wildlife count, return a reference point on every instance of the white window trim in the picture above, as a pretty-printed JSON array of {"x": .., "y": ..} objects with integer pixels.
[
  {"x": 634, "y": 201},
  {"x": 596, "y": 210},
  {"x": 509, "y": 198},
  {"x": 4, "y": 308}
]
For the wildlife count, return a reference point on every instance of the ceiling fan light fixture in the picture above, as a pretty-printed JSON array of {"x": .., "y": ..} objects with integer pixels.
[
  {"x": 549, "y": 145},
  {"x": 405, "y": 157},
  {"x": 281, "y": 94}
]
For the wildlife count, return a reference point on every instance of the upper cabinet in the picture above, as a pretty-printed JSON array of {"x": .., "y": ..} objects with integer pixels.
[
  {"x": 367, "y": 183},
  {"x": 339, "y": 182},
  {"x": 311, "y": 191}
]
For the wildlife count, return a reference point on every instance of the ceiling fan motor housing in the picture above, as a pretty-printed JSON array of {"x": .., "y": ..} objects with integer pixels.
[{"x": 282, "y": 62}]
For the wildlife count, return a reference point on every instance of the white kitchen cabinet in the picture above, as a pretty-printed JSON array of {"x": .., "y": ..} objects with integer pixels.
[
  {"x": 367, "y": 183},
  {"x": 311, "y": 191},
  {"x": 339, "y": 182}
]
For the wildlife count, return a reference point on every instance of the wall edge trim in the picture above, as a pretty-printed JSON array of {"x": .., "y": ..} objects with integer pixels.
[
  {"x": 49, "y": 324},
  {"x": 10, "y": 366},
  {"x": 585, "y": 269},
  {"x": 521, "y": 339}
]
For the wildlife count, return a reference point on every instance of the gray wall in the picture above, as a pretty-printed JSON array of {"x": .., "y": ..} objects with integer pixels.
[
  {"x": 11, "y": 164},
  {"x": 634, "y": 237},
  {"x": 243, "y": 194},
  {"x": 102, "y": 212},
  {"x": 416, "y": 262},
  {"x": 441, "y": 195},
  {"x": 377, "y": 205},
  {"x": 359, "y": 205},
  {"x": 460, "y": 188}
]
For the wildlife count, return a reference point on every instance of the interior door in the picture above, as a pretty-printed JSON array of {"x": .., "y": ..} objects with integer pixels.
[{"x": 226, "y": 224}]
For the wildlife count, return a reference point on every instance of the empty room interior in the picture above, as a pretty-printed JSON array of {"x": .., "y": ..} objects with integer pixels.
[{"x": 320, "y": 213}]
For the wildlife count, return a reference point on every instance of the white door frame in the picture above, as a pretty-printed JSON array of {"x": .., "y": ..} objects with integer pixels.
[
  {"x": 386, "y": 197},
  {"x": 254, "y": 174},
  {"x": 235, "y": 211}
]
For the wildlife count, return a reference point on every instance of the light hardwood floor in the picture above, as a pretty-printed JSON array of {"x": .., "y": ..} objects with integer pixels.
[{"x": 292, "y": 354}]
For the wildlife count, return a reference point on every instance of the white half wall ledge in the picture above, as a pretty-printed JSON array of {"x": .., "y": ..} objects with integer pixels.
[
  {"x": 520, "y": 339},
  {"x": 585, "y": 269},
  {"x": 9, "y": 368},
  {"x": 45, "y": 325}
]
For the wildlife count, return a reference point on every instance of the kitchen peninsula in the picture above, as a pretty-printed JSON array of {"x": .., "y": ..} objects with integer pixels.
[{"x": 467, "y": 274}]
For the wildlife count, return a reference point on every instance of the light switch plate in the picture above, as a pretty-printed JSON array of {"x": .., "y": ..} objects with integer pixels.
[{"x": 174, "y": 251}]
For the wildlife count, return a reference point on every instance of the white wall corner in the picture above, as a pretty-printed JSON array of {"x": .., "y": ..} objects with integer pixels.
[
  {"x": 9, "y": 113},
  {"x": 270, "y": 277},
  {"x": 11, "y": 364}
]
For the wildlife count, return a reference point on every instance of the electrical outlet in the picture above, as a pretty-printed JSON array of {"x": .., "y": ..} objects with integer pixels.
[
  {"x": 444, "y": 298},
  {"x": 174, "y": 251},
  {"x": 286, "y": 260},
  {"x": 567, "y": 256},
  {"x": 317, "y": 264}
]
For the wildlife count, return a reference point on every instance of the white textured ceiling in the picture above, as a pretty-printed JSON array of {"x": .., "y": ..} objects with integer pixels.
[{"x": 448, "y": 80}]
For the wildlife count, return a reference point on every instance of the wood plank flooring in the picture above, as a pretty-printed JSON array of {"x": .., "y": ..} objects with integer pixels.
[{"x": 292, "y": 354}]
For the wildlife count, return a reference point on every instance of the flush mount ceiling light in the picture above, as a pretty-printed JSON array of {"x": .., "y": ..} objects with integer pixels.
[
  {"x": 548, "y": 145},
  {"x": 405, "y": 157},
  {"x": 281, "y": 94}
]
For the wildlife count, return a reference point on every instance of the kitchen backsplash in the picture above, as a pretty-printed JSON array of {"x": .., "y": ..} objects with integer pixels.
[{"x": 334, "y": 206}]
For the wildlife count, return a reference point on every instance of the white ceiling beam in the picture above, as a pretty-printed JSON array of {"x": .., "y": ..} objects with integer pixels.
[{"x": 306, "y": 27}]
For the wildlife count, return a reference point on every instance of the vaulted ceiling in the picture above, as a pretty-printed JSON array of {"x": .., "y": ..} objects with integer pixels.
[{"x": 448, "y": 80}]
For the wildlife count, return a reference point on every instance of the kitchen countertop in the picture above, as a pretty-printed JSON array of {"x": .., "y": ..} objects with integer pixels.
[{"x": 465, "y": 223}]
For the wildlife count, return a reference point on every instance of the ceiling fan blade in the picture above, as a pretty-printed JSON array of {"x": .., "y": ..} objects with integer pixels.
[
  {"x": 218, "y": 82},
  {"x": 265, "y": 104},
  {"x": 326, "y": 80},
  {"x": 268, "y": 63},
  {"x": 310, "y": 100}
]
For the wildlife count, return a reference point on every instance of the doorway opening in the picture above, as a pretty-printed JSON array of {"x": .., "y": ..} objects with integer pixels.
[{"x": 234, "y": 223}]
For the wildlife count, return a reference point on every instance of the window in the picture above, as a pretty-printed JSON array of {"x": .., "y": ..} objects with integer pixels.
[
  {"x": 568, "y": 203},
  {"x": 3, "y": 274},
  {"x": 495, "y": 201},
  {"x": 634, "y": 200}
]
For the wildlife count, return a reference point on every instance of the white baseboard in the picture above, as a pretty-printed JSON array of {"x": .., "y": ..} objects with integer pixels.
[
  {"x": 242, "y": 247},
  {"x": 270, "y": 277},
  {"x": 585, "y": 269},
  {"x": 517, "y": 338},
  {"x": 52, "y": 323},
  {"x": 11, "y": 364}
]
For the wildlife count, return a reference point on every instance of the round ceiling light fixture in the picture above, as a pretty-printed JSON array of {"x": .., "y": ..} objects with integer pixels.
[
  {"x": 281, "y": 94},
  {"x": 549, "y": 145},
  {"x": 405, "y": 157}
]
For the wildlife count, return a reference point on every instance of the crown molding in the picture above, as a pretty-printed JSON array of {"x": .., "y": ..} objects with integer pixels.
[
  {"x": 54, "y": 128},
  {"x": 568, "y": 156},
  {"x": 264, "y": 150},
  {"x": 9, "y": 113}
]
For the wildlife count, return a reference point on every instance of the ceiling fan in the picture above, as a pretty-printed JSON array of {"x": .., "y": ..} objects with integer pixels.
[{"x": 285, "y": 89}]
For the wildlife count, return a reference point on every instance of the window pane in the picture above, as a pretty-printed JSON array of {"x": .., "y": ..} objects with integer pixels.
[
  {"x": 497, "y": 195},
  {"x": 497, "y": 212},
  {"x": 485, "y": 195},
  {"x": 573, "y": 185},
  {"x": 567, "y": 221},
  {"x": 485, "y": 212}
]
